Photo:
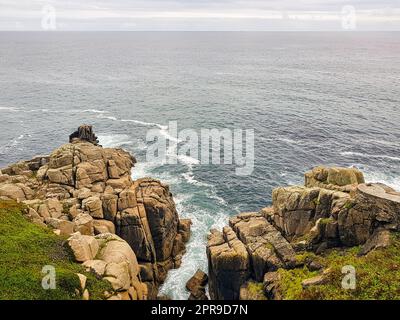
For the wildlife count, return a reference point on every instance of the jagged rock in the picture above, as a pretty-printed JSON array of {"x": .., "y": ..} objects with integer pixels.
[
  {"x": 147, "y": 272},
  {"x": 12, "y": 191},
  {"x": 110, "y": 206},
  {"x": 178, "y": 246},
  {"x": 83, "y": 247},
  {"x": 63, "y": 175},
  {"x": 97, "y": 267},
  {"x": 161, "y": 215},
  {"x": 198, "y": 280},
  {"x": 94, "y": 206},
  {"x": 317, "y": 280},
  {"x": 103, "y": 226},
  {"x": 196, "y": 286},
  {"x": 199, "y": 294},
  {"x": 119, "y": 184},
  {"x": 267, "y": 248},
  {"x": 82, "y": 281},
  {"x": 118, "y": 275},
  {"x": 54, "y": 208},
  {"x": 84, "y": 132},
  {"x": 382, "y": 201},
  {"x": 92, "y": 186},
  {"x": 335, "y": 178},
  {"x": 271, "y": 285},
  {"x": 133, "y": 227},
  {"x": 228, "y": 264},
  {"x": 294, "y": 209},
  {"x": 314, "y": 281},
  {"x": 379, "y": 239},
  {"x": 84, "y": 224},
  {"x": 184, "y": 229},
  {"x": 65, "y": 227},
  {"x": 116, "y": 250},
  {"x": 34, "y": 217}
]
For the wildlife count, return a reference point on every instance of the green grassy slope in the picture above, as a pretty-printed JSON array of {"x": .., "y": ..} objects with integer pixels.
[
  {"x": 25, "y": 248},
  {"x": 377, "y": 275}
]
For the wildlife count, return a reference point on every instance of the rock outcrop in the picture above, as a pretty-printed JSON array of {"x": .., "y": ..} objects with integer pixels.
[
  {"x": 86, "y": 189},
  {"x": 335, "y": 208},
  {"x": 228, "y": 264},
  {"x": 196, "y": 285}
]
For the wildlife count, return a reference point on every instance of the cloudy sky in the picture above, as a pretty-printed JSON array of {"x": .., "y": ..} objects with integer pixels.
[{"x": 204, "y": 15}]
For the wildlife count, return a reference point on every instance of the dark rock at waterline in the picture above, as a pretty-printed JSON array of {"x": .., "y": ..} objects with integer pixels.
[{"x": 85, "y": 133}]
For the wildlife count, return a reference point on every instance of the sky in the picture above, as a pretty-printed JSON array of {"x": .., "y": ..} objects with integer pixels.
[{"x": 200, "y": 15}]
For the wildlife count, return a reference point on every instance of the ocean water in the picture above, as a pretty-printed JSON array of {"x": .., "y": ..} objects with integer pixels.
[{"x": 311, "y": 99}]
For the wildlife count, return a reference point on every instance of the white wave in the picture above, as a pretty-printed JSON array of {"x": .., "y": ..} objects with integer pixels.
[
  {"x": 148, "y": 124},
  {"x": 102, "y": 116},
  {"x": 94, "y": 111},
  {"x": 189, "y": 177},
  {"x": 184, "y": 159},
  {"x": 364, "y": 155},
  {"x": 114, "y": 140},
  {"x": 166, "y": 134},
  {"x": 12, "y": 109},
  {"x": 38, "y": 110}
]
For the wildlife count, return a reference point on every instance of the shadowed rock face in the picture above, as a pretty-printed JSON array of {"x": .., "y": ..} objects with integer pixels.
[
  {"x": 82, "y": 187},
  {"x": 228, "y": 264}
]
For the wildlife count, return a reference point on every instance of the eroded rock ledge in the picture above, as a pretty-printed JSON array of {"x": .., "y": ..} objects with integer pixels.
[
  {"x": 125, "y": 231},
  {"x": 334, "y": 209}
]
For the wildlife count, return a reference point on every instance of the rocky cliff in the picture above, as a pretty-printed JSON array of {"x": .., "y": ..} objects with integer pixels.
[
  {"x": 334, "y": 210},
  {"x": 127, "y": 232}
]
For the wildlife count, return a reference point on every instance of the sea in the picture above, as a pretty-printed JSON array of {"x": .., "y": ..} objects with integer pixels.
[{"x": 311, "y": 98}]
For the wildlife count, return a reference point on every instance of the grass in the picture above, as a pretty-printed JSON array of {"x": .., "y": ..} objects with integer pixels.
[
  {"x": 349, "y": 204},
  {"x": 256, "y": 290},
  {"x": 377, "y": 276},
  {"x": 25, "y": 248}
]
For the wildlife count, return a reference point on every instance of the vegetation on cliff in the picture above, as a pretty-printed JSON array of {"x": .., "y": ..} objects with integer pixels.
[
  {"x": 377, "y": 275},
  {"x": 25, "y": 248}
]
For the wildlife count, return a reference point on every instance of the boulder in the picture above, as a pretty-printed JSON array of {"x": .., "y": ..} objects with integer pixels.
[
  {"x": 379, "y": 239},
  {"x": 334, "y": 178},
  {"x": 83, "y": 247},
  {"x": 110, "y": 208},
  {"x": 118, "y": 275},
  {"x": 62, "y": 175},
  {"x": 12, "y": 191},
  {"x": 103, "y": 226},
  {"x": 66, "y": 227},
  {"x": 184, "y": 229},
  {"x": 84, "y": 224},
  {"x": 94, "y": 206},
  {"x": 317, "y": 280},
  {"x": 97, "y": 267},
  {"x": 199, "y": 280},
  {"x": 114, "y": 249}
]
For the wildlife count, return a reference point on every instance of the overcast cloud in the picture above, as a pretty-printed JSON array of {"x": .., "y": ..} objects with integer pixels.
[{"x": 261, "y": 15}]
